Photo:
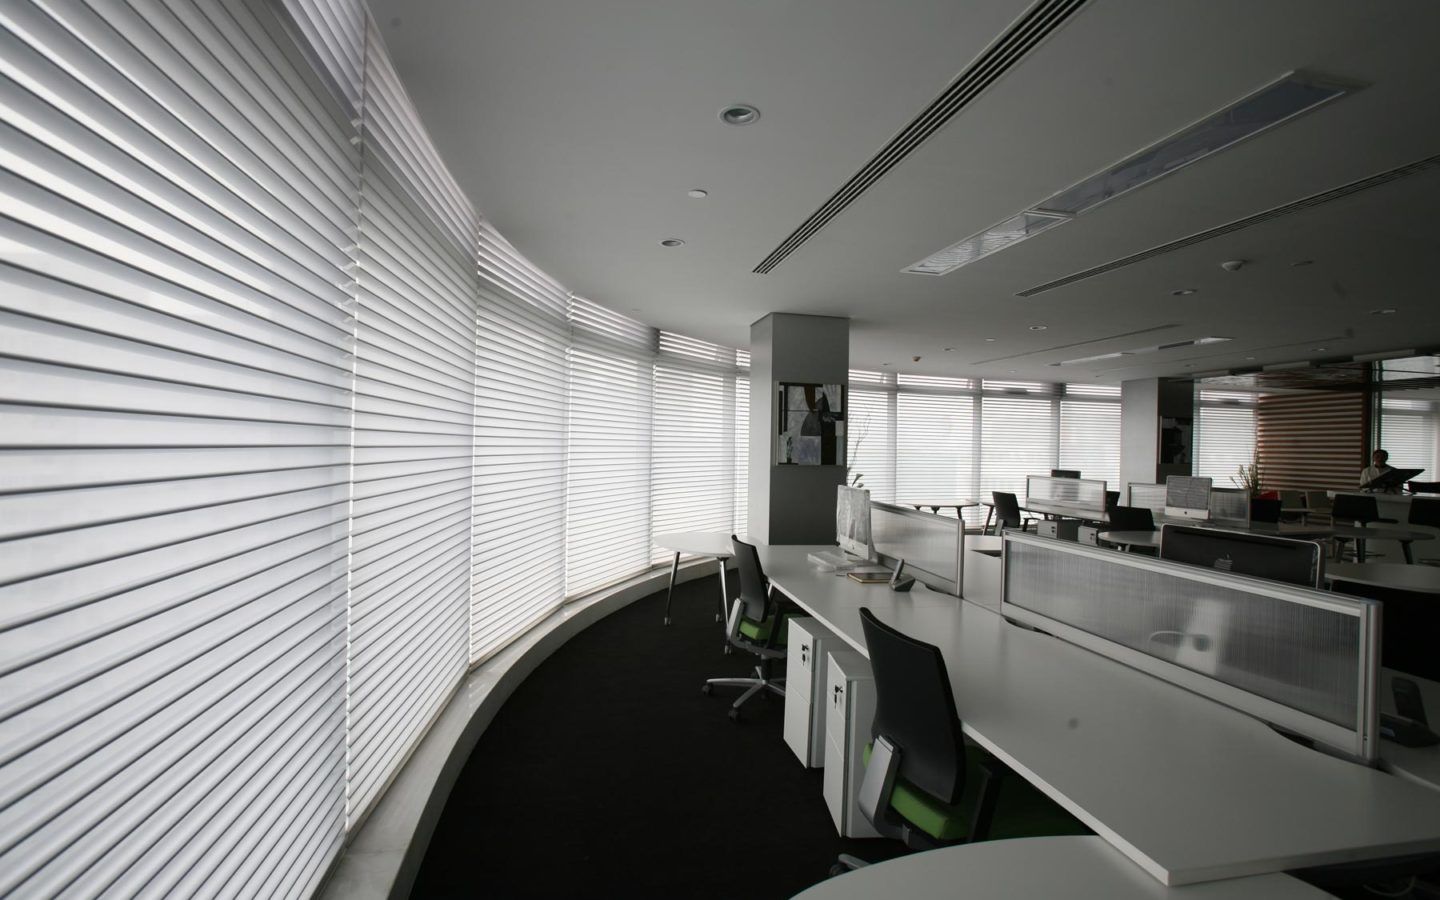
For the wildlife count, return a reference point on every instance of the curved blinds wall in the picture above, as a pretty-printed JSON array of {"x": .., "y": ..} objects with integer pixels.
[
  {"x": 177, "y": 192},
  {"x": 1224, "y": 434}
]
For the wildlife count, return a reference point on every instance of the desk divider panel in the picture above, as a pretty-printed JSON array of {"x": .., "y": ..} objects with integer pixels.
[
  {"x": 1149, "y": 496},
  {"x": 1072, "y": 491},
  {"x": 1230, "y": 506},
  {"x": 1304, "y": 660},
  {"x": 932, "y": 546}
]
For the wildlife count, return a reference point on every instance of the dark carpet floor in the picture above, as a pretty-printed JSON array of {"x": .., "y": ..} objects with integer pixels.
[{"x": 608, "y": 772}]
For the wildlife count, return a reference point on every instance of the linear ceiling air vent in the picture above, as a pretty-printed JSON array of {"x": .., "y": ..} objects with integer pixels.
[
  {"x": 1274, "y": 104},
  {"x": 1022, "y": 37},
  {"x": 1310, "y": 202}
]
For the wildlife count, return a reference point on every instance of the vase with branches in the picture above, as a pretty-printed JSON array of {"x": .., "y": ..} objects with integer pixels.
[{"x": 1247, "y": 477}]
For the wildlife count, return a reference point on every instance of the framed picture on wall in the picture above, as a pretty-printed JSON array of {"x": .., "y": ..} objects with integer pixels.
[{"x": 811, "y": 427}]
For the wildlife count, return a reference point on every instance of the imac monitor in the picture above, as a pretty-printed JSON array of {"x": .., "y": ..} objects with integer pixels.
[
  {"x": 1187, "y": 497},
  {"x": 1257, "y": 555},
  {"x": 852, "y": 522},
  {"x": 1064, "y": 473}
]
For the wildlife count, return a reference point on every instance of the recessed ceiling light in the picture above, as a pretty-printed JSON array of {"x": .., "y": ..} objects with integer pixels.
[
  {"x": 1249, "y": 357},
  {"x": 1038, "y": 327},
  {"x": 989, "y": 340},
  {"x": 1012, "y": 371},
  {"x": 1182, "y": 292},
  {"x": 672, "y": 242},
  {"x": 1302, "y": 262},
  {"x": 697, "y": 193},
  {"x": 739, "y": 114},
  {"x": 949, "y": 349},
  {"x": 1382, "y": 312},
  {"x": 1318, "y": 349}
]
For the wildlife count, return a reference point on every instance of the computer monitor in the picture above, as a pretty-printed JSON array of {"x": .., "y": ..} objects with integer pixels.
[
  {"x": 1064, "y": 473},
  {"x": 1257, "y": 555},
  {"x": 1187, "y": 497},
  {"x": 852, "y": 522}
]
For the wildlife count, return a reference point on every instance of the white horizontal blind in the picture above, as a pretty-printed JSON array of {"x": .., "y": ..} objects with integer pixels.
[
  {"x": 870, "y": 423},
  {"x": 1409, "y": 434},
  {"x": 1090, "y": 432},
  {"x": 176, "y": 188},
  {"x": 607, "y": 481},
  {"x": 694, "y": 458},
  {"x": 1224, "y": 434},
  {"x": 518, "y": 531},
  {"x": 414, "y": 427},
  {"x": 740, "y": 434},
  {"x": 934, "y": 447},
  {"x": 1017, "y": 435}
]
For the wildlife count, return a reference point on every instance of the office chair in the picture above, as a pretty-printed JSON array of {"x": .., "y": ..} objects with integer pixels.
[
  {"x": 1355, "y": 508},
  {"x": 1132, "y": 518},
  {"x": 1262, "y": 510},
  {"x": 918, "y": 766},
  {"x": 756, "y": 625},
  {"x": 1426, "y": 512},
  {"x": 1112, "y": 500},
  {"x": 1007, "y": 512},
  {"x": 1317, "y": 506}
]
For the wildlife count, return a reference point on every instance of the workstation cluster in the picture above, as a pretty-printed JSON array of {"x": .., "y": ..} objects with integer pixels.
[{"x": 1210, "y": 723}]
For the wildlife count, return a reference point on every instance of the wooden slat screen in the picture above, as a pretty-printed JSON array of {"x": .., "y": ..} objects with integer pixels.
[{"x": 1310, "y": 440}]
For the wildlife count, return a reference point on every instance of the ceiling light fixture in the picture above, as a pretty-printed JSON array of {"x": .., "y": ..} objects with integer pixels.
[
  {"x": 1278, "y": 102},
  {"x": 672, "y": 242},
  {"x": 949, "y": 349},
  {"x": 739, "y": 114},
  {"x": 1038, "y": 327},
  {"x": 1139, "y": 351},
  {"x": 1299, "y": 263},
  {"x": 1183, "y": 292},
  {"x": 697, "y": 193},
  {"x": 989, "y": 340},
  {"x": 1382, "y": 312}
]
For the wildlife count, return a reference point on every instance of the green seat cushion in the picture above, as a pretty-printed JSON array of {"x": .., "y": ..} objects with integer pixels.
[
  {"x": 760, "y": 631},
  {"x": 1022, "y": 811}
]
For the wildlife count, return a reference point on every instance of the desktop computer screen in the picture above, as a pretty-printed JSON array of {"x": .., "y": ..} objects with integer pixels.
[
  {"x": 852, "y": 522},
  {"x": 1259, "y": 556},
  {"x": 1187, "y": 497},
  {"x": 1064, "y": 473}
]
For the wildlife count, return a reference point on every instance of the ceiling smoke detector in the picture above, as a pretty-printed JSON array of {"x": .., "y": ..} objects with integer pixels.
[{"x": 1233, "y": 265}]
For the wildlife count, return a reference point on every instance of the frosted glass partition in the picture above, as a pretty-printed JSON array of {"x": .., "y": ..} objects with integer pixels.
[
  {"x": 932, "y": 546},
  {"x": 1230, "y": 506},
  {"x": 1085, "y": 492},
  {"x": 1149, "y": 496},
  {"x": 1302, "y": 659}
]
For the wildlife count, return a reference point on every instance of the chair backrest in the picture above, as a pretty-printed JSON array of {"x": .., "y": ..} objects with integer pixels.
[
  {"x": 915, "y": 709},
  {"x": 1354, "y": 508},
  {"x": 1425, "y": 512},
  {"x": 1292, "y": 499},
  {"x": 1317, "y": 501},
  {"x": 1112, "y": 499},
  {"x": 754, "y": 586},
  {"x": 1262, "y": 510},
  {"x": 1132, "y": 518},
  {"x": 1007, "y": 509}
]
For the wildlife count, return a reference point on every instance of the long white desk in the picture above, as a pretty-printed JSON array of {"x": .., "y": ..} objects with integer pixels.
[{"x": 1188, "y": 789}]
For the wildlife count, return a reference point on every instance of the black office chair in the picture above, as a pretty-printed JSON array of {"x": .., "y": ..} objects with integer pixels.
[
  {"x": 1132, "y": 518},
  {"x": 1007, "y": 512},
  {"x": 1355, "y": 508},
  {"x": 1426, "y": 512},
  {"x": 918, "y": 766},
  {"x": 757, "y": 625},
  {"x": 1262, "y": 510},
  {"x": 1112, "y": 500}
]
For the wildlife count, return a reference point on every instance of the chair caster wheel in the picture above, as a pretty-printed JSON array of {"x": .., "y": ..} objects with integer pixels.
[
  {"x": 837, "y": 869},
  {"x": 734, "y": 715},
  {"x": 707, "y": 689}
]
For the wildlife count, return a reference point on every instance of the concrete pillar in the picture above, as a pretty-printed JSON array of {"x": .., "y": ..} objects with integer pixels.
[
  {"x": 1145, "y": 405},
  {"x": 792, "y": 504}
]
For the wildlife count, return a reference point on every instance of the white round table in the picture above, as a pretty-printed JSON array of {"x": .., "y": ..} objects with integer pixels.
[
  {"x": 1065, "y": 868},
  {"x": 1378, "y": 533},
  {"x": 714, "y": 544},
  {"x": 1148, "y": 539},
  {"x": 1396, "y": 576}
]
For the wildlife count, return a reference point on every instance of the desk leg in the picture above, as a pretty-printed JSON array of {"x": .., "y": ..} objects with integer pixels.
[
  {"x": 670, "y": 594},
  {"x": 1405, "y": 549},
  {"x": 989, "y": 511},
  {"x": 1359, "y": 550}
]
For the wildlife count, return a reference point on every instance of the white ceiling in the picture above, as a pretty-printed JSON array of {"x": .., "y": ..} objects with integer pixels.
[{"x": 577, "y": 127}]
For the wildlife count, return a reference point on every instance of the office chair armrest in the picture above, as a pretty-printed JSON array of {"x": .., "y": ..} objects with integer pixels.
[
  {"x": 878, "y": 784},
  {"x": 992, "y": 771}
]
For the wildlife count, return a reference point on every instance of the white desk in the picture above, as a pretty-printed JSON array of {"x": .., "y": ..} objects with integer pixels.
[
  {"x": 1065, "y": 868},
  {"x": 1380, "y": 533},
  {"x": 713, "y": 544},
  {"x": 1188, "y": 789},
  {"x": 1419, "y": 764}
]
